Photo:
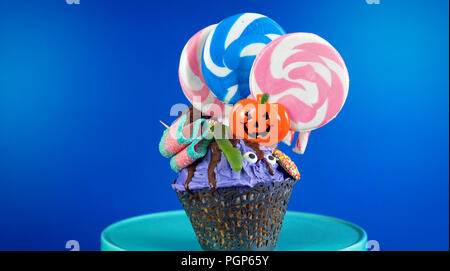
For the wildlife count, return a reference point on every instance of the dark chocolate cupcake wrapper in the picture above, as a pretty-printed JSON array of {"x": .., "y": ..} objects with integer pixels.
[{"x": 238, "y": 218}]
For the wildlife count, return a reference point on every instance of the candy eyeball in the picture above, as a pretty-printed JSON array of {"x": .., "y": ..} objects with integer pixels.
[
  {"x": 250, "y": 157},
  {"x": 271, "y": 159}
]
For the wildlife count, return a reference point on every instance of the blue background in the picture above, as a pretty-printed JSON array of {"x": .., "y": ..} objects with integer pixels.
[{"x": 82, "y": 88}]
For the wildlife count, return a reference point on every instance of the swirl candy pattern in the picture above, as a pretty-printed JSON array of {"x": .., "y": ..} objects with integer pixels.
[
  {"x": 305, "y": 74},
  {"x": 191, "y": 77},
  {"x": 230, "y": 50}
]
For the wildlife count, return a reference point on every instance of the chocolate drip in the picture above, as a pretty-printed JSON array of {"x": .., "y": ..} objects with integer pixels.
[
  {"x": 191, "y": 171},
  {"x": 255, "y": 147},
  {"x": 268, "y": 166},
  {"x": 234, "y": 142},
  {"x": 260, "y": 154},
  {"x": 191, "y": 112},
  {"x": 216, "y": 156}
]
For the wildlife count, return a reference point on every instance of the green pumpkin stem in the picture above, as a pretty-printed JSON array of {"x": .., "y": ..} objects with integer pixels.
[{"x": 264, "y": 98}]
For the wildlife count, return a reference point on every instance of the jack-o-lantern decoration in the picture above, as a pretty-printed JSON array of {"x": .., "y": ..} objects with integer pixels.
[{"x": 265, "y": 123}]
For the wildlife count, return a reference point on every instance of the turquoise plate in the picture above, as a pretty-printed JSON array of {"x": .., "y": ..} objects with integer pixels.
[{"x": 173, "y": 231}]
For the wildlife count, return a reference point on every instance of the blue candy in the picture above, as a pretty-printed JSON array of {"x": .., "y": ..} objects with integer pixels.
[{"x": 230, "y": 50}]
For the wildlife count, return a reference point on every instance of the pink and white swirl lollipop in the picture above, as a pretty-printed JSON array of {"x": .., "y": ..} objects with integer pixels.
[
  {"x": 305, "y": 74},
  {"x": 191, "y": 77}
]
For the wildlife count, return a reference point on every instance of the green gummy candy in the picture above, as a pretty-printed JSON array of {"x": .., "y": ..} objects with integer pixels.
[{"x": 232, "y": 154}]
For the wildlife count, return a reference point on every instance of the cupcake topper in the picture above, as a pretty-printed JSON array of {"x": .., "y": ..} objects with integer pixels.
[
  {"x": 184, "y": 142},
  {"x": 259, "y": 121},
  {"x": 230, "y": 50},
  {"x": 191, "y": 77},
  {"x": 305, "y": 74}
]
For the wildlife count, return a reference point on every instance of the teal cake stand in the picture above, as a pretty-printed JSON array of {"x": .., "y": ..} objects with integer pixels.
[{"x": 172, "y": 231}]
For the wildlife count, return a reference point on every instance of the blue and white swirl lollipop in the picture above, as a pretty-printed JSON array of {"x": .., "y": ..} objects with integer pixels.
[{"x": 230, "y": 50}]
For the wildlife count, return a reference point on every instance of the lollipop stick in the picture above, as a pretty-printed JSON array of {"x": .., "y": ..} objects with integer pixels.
[
  {"x": 165, "y": 125},
  {"x": 289, "y": 138},
  {"x": 302, "y": 141}
]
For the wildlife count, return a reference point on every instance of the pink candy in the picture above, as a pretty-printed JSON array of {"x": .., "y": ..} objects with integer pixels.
[
  {"x": 191, "y": 78},
  {"x": 305, "y": 74}
]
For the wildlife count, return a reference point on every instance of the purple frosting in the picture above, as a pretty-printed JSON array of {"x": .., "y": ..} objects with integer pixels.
[{"x": 251, "y": 173}]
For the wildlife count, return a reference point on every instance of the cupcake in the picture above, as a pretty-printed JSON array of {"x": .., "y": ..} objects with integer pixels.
[
  {"x": 235, "y": 191},
  {"x": 232, "y": 210},
  {"x": 233, "y": 182},
  {"x": 246, "y": 76}
]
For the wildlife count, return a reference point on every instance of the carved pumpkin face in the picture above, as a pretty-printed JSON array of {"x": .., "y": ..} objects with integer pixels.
[{"x": 265, "y": 123}]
